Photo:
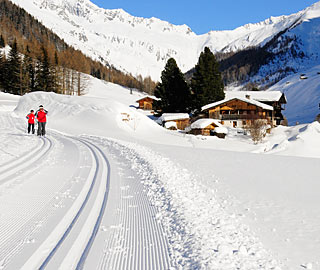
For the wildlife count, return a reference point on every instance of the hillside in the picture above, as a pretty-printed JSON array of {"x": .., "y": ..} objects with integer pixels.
[
  {"x": 143, "y": 45},
  {"x": 16, "y": 23}
]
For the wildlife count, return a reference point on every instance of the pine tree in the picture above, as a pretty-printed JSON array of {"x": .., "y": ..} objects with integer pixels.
[
  {"x": 2, "y": 43},
  {"x": 2, "y": 70},
  {"x": 12, "y": 82},
  {"x": 44, "y": 76},
  {"x": 206, "y": 84},
  {"x": 173, "y": 90},
  {"x": 28, "y": 72},
  {"x": 57, "y": 75}
]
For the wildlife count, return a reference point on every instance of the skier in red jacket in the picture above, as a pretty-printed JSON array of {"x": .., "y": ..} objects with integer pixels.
[
  {"x": 30, "y": 118},
  {"x": 41, "y": 116}
]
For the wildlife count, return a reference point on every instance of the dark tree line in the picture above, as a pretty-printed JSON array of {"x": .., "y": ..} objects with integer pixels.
[
  {"x": 178, "y": 96},
  {"x": 17, "y": 24},
  {"x": 22, "y": 73}
]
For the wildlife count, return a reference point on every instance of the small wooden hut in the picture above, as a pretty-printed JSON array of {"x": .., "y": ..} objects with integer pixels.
[
  {"x": 182, "y": 120},
  {"x": 146, "y": 103},
  {"x": 206, "y": 127}
]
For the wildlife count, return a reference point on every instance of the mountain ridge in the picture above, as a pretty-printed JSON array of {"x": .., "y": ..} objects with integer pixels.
[{"x": 141, "y": 46}]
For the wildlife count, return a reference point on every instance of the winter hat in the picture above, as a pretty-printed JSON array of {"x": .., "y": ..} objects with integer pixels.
[{"x": 40, "y": 106}]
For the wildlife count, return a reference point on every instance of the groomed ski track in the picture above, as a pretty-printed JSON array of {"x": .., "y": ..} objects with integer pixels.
[{"x": 95, "y": 215}]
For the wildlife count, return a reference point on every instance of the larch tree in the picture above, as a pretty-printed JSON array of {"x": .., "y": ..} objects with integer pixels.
[
  {"x": 173, "y": 90},
  {"x": 206, "y": 84}
]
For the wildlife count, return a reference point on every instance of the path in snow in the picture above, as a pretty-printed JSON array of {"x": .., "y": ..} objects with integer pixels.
[{"x": 52, "y": 205}]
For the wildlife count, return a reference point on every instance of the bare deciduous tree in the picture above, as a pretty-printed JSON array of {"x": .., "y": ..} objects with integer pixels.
[
  {"x": 257, "y": 130},
  {"x": 284, "y": 122}
]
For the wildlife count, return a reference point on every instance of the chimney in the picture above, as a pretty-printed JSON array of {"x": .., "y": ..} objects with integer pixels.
[{"x": 248, "y": 96}]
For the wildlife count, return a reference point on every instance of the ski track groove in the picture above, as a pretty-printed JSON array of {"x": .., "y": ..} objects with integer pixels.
[
  {"x": 12, "y": 229},
  {"x": 8, "y": 165},
  {"x": 9, "y": 169},
  {"x": 93, "y": 230},
  {"x": 102, "y": 208},
  {"x": 10, "y": 251},
  {"x": 137, "y": 244},
  {"x": 74, "y": 220},
  {"x": 22, "y": 165},
  {"x": 138, "y": 241}
]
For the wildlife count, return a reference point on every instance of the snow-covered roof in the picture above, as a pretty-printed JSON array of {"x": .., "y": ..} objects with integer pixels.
[
  {"x": 147, "y": 96},
  {"x": 251, "y": 101},
  {"x": 204, "y": 122},
  {"x": 174, "y": 116},
  {"x": 222, "y": 130},
  {"x": 256, "y": 95},
  {"x": 170, "y": 124}
]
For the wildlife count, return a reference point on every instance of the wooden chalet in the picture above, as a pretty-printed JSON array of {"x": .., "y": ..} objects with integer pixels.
[
  {"x": 207, "y": 127},
  {"x": 182, "y": 120},
  {"x": 276, "y": 99},
  {"x": 146, "y": 103},
  {"x": 239, "y": 112}
]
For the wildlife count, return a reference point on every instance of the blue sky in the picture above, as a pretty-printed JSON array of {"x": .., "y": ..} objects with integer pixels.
[{"x": 205, "y": 15}]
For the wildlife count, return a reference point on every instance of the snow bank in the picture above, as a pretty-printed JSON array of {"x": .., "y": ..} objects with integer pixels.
[
  {"x": 202, "y": 233},
  {"x": 303, "y": 140}
]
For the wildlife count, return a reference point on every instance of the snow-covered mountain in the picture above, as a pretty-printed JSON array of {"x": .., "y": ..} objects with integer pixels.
[{"x": 143, "y": 45}]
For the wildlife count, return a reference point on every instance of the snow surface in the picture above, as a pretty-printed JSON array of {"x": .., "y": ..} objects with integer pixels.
[
  {"x": 303, "y": 96},
  {"x": 156, "y": 199}
]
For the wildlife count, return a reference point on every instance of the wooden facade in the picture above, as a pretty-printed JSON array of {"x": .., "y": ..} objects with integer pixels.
[
  {"x": 146, "y": 103},
  {"x": 239, "y": 113},
  {"x": 277, "y": 109},
  {"x": 275, "y": 99},
  {"x": 182, "y": 120},
  {"x": 206, "y": 131},
  {"x": 182, "y": 123}
]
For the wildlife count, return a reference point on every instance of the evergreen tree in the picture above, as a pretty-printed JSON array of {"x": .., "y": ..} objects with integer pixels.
[
  {"x": 44, "y": 76},
  {"x": 173, "y": 90},
  {"x": 2, "y": 70},
  {"x": 28, "y": 72},
  {"x": 57, "y": 74},
  {"x": 2, "y": 43},
  {"x": 206, "y": 84},
  {"x": 12, "y": 82}
]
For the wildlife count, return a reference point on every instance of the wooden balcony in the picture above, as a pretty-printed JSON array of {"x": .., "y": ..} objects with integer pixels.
[{"x": 241, "y": 117}]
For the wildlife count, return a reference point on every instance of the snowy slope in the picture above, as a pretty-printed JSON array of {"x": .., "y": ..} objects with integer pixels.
[
  {"x": 174, "y": 200},
  {"x": 143, "y": 45},
  {"x": 303, "y": 95}
]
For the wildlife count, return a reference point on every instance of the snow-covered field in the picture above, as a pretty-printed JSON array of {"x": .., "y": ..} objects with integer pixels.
[{"x": 108, "y": 188}]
